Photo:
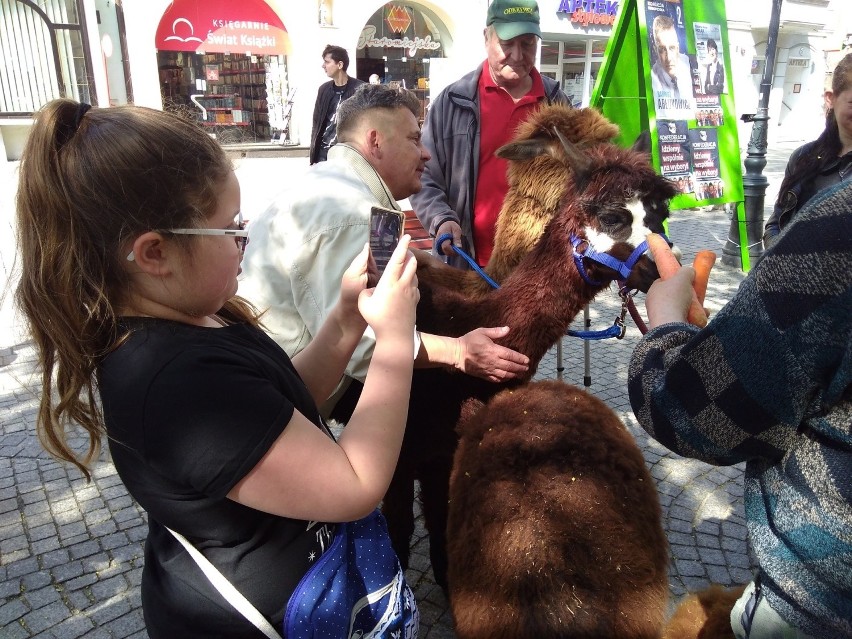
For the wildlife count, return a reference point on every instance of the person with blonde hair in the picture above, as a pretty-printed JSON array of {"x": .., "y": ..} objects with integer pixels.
[{"x": 131, "y": 240}]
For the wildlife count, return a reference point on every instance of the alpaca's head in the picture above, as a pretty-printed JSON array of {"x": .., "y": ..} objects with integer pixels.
[{"x": 613, "y": 199}]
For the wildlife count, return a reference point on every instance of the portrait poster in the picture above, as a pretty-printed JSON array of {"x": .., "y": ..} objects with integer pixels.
[
  {"x": 671, "y": 72},
  {"x": 675, "y": 153},
  {"x": 704, "y": 144},
  {"x": 704, "y": 124},
  {"x": 709, "y": 50}
]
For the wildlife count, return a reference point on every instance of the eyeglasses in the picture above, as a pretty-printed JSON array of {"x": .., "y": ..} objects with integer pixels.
[{"x": 239, "y": 234}]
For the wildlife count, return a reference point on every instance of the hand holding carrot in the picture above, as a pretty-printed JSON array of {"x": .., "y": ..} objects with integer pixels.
[{"x": 668, "y": 266}]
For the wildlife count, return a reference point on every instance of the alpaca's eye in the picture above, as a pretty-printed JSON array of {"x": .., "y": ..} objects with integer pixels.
[{"x": 609, "y": 219}]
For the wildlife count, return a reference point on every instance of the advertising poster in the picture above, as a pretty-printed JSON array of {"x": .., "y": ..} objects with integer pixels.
[
  {"x": 672, "y": 80},
  {"x": 704, "y": 143},
  {"x": 709, "y": 50},
  {"x": 675, "y": 153},
  {"x": 681, "y": 94}
]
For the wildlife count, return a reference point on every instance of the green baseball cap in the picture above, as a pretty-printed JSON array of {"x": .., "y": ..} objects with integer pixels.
[{"x": 513, "y": 18}]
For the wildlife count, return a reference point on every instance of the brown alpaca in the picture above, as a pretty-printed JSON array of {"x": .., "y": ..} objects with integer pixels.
[
  {"x": 554, "y": 522},
  {"x": 704, "y": 615},
  {"x": 532, "y": 200},
  {"x": 604, "y": 190},
  {"x": 536, "y": 187}
]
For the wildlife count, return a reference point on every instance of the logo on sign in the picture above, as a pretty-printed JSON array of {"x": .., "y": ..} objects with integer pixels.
[
  {"x": 398, "y": 19},
  {"x": 175, "y": 36},
  {"x": 588, "y": 12}
]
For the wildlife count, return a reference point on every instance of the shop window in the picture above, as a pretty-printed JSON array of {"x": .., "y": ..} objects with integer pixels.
[
  {"x": 398, "y": 43},
  {"x": 240, "y": 98},
  {"x": 43, "y": 54},
  {"x": 575, "y": 49},
  {"x": 549, "y": 52},
  {"x": 233, "y": 77}
]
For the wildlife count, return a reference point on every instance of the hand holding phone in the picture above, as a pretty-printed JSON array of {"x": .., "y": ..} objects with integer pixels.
[{"x": 386, "y": 227}]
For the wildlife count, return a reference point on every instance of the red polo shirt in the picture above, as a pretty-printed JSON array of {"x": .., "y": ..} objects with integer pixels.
[{"x": 499, "y": 116}]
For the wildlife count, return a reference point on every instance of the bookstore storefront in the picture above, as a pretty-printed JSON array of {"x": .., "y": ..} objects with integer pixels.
[{"x": 226, "y": 64}]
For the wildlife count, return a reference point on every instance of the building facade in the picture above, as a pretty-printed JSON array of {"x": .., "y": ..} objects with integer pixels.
[{"x": 250, "y": 70}]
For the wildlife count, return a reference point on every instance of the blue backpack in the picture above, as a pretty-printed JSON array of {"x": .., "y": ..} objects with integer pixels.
[{"x": 356, "y": 589}]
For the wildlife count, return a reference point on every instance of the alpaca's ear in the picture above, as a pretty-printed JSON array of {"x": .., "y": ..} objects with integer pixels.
[
  {"x": 524, "y": 150},
  {"x": 643, "y": 143},
  {"x": 579, "y": 163}
]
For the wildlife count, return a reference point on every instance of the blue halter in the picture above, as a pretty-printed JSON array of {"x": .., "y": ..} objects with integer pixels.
[
  {"x": 622, "y": 268},
  {"x": 618, "y": 328}
]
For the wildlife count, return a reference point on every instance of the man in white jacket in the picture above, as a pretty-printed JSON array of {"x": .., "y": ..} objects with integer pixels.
[{"x": 301, "y": 245}]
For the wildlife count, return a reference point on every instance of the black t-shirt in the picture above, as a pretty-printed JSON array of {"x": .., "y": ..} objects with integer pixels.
[
  {"x": 189, "y": 411},
  {"x": 329, "y": 135}
]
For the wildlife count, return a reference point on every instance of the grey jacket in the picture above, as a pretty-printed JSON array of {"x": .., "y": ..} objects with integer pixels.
[
  {"x": 451, "y": 133},
  {"x": 768, "y": 382}
]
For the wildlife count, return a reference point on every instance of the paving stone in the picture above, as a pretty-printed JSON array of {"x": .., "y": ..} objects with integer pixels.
[
  {"x": 45, "y": 545},
  {"x": 37, "y": 599},
  {"x": 109, "y": 610},
  {"x": 21, "y": 567},
  {"x": 84, "y": 580},
  {"x": 712, "y": 556},
  {"x": 15, "y": 631},
  {"x": 12, "y": 611},
  {"x": 73, "y": 627},
  {"x": 10, "y": 588},
  {"x": 127, "y": 624},
  {"x": 46, "y": 616},
  {"x": 35, "y": 580},
  {"x": 65, "y": 572}
]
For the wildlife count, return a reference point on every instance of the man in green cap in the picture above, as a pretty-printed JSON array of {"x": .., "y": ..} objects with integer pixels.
[{"x": 464, "y": 183}]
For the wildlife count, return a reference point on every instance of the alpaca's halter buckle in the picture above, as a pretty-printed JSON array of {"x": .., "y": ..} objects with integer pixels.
[{"x": 589, "y": 252}]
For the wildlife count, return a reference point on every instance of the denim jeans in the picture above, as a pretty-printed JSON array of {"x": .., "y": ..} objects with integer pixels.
[{"x": 753, "y": 618}]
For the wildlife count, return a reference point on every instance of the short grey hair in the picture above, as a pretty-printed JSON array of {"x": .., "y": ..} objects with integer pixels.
[{"x": 371, "y": 97}]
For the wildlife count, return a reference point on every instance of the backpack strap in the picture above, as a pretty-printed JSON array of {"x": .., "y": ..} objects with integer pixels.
[{"x": 227, "y": 589}]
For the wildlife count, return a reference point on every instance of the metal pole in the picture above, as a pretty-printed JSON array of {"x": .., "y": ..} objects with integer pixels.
[
  {"x": 587, "y": 349},
  {"x": 754, "y": 182}
]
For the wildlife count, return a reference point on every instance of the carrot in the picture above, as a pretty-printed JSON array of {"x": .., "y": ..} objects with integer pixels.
[
  {"x": 666, "y": 262},
  {"x": 667, "y": 265},
  {"x": 703, "y": 263}
]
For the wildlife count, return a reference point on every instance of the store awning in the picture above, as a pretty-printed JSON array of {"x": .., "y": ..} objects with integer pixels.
[{"x": 222, "y": 26}]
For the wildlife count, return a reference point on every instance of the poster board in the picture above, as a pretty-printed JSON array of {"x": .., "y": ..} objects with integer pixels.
[{"x": 666, "y": 72}]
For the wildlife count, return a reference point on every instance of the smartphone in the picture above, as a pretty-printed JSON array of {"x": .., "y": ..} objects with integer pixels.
[{"x": 386, "y": 227}]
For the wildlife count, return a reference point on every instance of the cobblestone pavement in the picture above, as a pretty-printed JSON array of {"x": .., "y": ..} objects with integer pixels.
[{"x": 71, "y": 552}]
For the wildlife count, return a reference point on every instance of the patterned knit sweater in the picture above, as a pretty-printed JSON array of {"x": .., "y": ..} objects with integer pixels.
[{"x": 769, "y": 382}]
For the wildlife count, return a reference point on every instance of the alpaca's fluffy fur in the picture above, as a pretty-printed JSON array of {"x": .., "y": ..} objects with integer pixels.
[
  {"x": 554, "y": 527},
  {"x": 704, "y": 615},
  {"x": 538, "y": 300}
]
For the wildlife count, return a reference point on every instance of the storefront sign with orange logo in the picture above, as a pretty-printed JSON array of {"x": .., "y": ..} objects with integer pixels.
[
  {"x": 398, "y": 19},
  {"x": 412, "y": 46}
]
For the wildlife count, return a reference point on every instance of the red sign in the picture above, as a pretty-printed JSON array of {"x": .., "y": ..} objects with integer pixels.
[
  {"x": 398, "y": 19},
  {"x": 222, "y": 26}
]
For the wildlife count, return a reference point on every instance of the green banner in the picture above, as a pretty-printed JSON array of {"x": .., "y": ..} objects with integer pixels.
[{"x": 666, "y": 72}]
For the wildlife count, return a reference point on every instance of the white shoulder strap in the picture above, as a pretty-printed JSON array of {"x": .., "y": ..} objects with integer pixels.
[{"x": 227, "y": 589}]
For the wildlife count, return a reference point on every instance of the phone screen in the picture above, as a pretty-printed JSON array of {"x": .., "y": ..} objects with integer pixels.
[{"x": 386, "y": 226}]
